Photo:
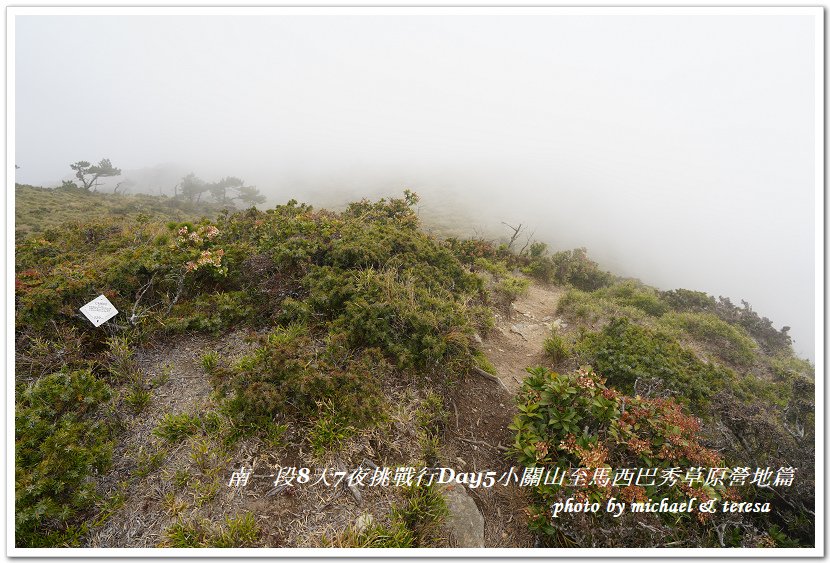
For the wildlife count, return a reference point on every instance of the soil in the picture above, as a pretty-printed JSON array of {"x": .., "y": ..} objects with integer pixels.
[{"x": 517, "y": 341}]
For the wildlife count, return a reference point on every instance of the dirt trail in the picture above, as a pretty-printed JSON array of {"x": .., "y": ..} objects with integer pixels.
[
  {"x": 483, "y": 411},
  {"x": 517, "y": 341}
]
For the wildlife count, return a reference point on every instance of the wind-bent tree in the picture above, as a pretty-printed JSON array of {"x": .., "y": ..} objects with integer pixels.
[
  {"x": 250, "y": 196},
  {"x": 223, "y": 191},
  {"x": 192, "y": 187},
  {"x": 219, "y": 190},
  {"x": 126, "y": 184},
  {"x": 88, "y": 173}
]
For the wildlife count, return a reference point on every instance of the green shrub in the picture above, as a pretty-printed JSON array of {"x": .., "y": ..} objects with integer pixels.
[
  {"x": 177, "y": 427},
  {"x": 591, "y": 308},
  {"x": 237, "y": 531},
  {"x": 568, "y": 267},
  {"x": 210, "y": 360},
  {"x": 728, "y": 342},
  {"x": 415, "y": 324},
  {"x": 483, "y": 363},
  {"x": 122, "y": 364},
  {"x": 624, "y": 352},
  {"x": 556, "y": 347},
  {"x": 496, "y": 268},
  {"x": 330, "y": 430},
  {"x": 688, "y": 300},
  {"x": 634, "y": 294},
  {"x": 284, "y": 377},
  {"x": 414, "y": 523},
  {"x": 138, "y": 398},
  {"x": 214, "y": 312},
  {"x": 59, "y": 442},
  {"x": 511, "y": 288},
  {"x": 575, "y": 268},
  {"x": 771, "y": 340}
]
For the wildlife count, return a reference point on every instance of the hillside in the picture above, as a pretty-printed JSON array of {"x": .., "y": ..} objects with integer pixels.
[
  {"x": 253, "y": 342},
  {"x": 38, "y": 209}
]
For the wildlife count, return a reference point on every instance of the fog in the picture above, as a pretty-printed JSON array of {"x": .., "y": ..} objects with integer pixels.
[{"x": 678, "y": 149}]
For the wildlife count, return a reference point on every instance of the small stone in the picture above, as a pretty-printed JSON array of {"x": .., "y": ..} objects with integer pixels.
[
  {"x": 461, "y": 462},
  {"x": 477, "y": 338},
  {"x": 363, "y": 523}
]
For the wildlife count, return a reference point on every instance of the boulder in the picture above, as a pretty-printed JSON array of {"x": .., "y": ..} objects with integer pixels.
[{"x": 464, "y": 521}]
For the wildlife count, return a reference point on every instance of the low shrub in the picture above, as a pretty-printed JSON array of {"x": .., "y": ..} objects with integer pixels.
[
  {"x": 236, "y": 531},
  {"x": 575, "y": 268},
  {"x": 592, "y": 308},
  {"x": 413, "y": 523},
  {"x": 59, "y": 442},
  {"x": 329, "y": 430},
  {"x": 285, "y": 377},
  {"x": 624, "y": 352},
  {"x": 634, "y": 294},
  {"x": 510, "y": 288},
  {"x": 556, "y": 347},
  {"x": 729, "y": 343},
  {"x": 574, "y": 423},
  {"x": 177, "y": 427}
]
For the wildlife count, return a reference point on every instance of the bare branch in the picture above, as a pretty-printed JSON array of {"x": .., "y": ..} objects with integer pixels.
[
  {"x": 516, "y": 231},
  {"x": 133, "y": 318}
]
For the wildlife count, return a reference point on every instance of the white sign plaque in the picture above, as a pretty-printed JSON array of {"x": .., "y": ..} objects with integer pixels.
[{"x": 99, "y": 310}]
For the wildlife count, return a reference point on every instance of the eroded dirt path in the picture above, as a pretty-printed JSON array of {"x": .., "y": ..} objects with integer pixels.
[
  {"x": 518, "y": 338},
  {"x": 479, "y": 437}
]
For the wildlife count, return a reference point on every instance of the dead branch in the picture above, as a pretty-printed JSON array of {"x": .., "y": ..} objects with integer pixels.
[
  {"x": 516, "y": 231},
  {"x": 528, "y": 241},
  {"x": 478, "y": 371},
  {"x": 179, "y": 289},
  {"x": 477, "y": 443},
  {"x": 133, "y": 318}
]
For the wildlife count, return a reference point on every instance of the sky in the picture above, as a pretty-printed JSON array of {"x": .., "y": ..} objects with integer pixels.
[{"x": 678, "y": 149}]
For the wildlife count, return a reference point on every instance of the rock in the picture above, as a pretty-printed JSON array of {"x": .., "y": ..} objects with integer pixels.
[
  {"x": 546, "y": 318},
  {"x": 363, "y": 523},
  {"x": 464, "y": 522},
  {"x": 517, "y": 329},
  {"x": 477, "y": 338},
  {"x": 559, "y": 323},
  {"x": 355, "y": 493}
]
